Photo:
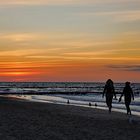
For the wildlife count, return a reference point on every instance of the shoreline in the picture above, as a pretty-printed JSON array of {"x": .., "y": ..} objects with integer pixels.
[{"x": 28, "y": 98}]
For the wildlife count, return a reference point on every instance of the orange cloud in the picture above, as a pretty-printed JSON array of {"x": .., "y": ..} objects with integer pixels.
[{"x": 66, "y": 60}]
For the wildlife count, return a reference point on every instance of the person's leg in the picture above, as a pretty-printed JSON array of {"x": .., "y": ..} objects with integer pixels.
[
  {"x": 128, "y": 108},
  {"x": 109, "y": 103},
  {"x": 129, "y": 111},
  {"x": 110, "y": 109}
]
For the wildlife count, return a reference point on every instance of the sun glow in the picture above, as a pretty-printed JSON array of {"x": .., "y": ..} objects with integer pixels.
[{"x": 16, "y": 73}]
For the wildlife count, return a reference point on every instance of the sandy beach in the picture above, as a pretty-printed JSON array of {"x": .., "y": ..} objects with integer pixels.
[{"x": 23, "y": 120}]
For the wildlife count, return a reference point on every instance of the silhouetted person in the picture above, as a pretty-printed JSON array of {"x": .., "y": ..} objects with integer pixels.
[
  {"x": 95, "y": 104},
  {"x": 68, "y": 102},
  {"x": 109, "y": 91},
  {"x": 89, "y": 104},
  {"x": 128, "y": 94}
]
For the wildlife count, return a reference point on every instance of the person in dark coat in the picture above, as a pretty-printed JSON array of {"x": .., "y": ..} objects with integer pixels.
[
  {"x": 128, "y": 94},
  {"x": 109, "y": 92}
]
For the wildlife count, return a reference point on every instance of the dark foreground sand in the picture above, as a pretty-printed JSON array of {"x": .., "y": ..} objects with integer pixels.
[{"x": 20, "y": 120}]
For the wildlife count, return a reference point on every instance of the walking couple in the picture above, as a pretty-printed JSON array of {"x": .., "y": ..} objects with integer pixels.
[{"x": 109, "y": 92}]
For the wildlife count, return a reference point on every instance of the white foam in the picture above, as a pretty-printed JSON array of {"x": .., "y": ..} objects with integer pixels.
[{"x": 59, "y": 99}]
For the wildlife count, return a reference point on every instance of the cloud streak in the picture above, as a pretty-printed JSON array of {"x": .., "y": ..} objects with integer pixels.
[
  {"x": 117, "y": 16},
  {"x": 61, "y": 2},
  {"x": 20, "y": 37},
  {"x": 135, "y": 68}
]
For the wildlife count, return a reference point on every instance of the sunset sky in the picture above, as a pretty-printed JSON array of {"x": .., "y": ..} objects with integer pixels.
[{"x": 70, "y": 40}]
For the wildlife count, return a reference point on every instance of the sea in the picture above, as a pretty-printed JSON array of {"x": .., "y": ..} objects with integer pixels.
[{"x": 86, "y": 94}]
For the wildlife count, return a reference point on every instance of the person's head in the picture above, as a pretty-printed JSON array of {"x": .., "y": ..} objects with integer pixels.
[
  {"x": 127, "y": 84},
  {"x": 109, "y": 82}
]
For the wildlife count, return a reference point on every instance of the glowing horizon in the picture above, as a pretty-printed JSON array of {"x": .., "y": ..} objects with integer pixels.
[{"x": 70, "y": 40}]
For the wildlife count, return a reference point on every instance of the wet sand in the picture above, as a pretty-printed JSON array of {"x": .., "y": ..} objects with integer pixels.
[{"x": 23, "y": 120}]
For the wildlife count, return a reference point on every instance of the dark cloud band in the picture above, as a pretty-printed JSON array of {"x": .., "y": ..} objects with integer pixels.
[{"x": 135, "y": 68}]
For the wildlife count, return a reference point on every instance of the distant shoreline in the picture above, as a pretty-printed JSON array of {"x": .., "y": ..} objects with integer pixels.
[{"x": 74, "y": 88}]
